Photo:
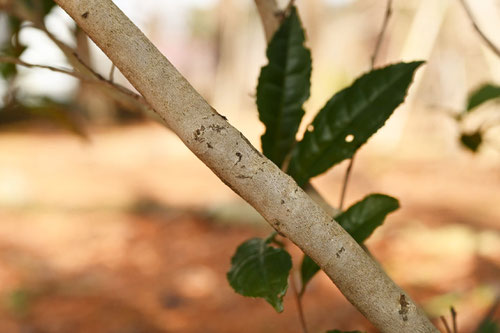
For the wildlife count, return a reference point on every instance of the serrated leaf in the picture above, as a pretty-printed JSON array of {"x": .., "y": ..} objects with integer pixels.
[
  {"x": 481, "y": 95},
  {"x": 349, "y": 118},
  {"x": 260, "y": 270},
  {"x": 362, "y": 218},
  {"x": 472, "y": 141},
  {"x": 308, "y": 269},
  {"x": 284, "y": 85}
]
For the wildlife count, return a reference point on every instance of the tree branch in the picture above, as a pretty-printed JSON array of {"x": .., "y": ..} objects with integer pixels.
[
  {"x": 85, "y": 78},
  {"x": 245, "y": 170}
]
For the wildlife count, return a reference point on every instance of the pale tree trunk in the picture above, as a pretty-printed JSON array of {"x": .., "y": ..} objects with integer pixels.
[
  {"x": 239, "y": 165},
  {"x": 96, "y": 103}
]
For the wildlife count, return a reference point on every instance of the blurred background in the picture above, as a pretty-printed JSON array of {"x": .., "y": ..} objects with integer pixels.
[{"x": 109, "y": 224}]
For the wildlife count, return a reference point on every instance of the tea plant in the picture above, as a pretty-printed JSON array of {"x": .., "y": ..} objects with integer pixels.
[{"x": 341, "y": 127}]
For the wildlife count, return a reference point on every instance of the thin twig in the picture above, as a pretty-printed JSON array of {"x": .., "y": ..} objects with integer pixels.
[
  {"x": 387, "y": 15},
  {"x": 67, "y": 71},
  {"x": 454, "y": 319},
  {"x": 347, "y": 175},
  {"x": 81, "y": 77},
  {"x": 445, "y": 323},
  {"x": 298, "y": 299},
  {"x": 488, "y": 42},
  {"x": 112, "y": 72}
]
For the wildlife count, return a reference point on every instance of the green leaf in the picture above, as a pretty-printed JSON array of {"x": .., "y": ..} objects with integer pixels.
[
  {"x": 362, "y": 218},
  {"x": 308, "y": 269},
  {"x": 472, "y": 141},
  {"x": 260, "y": 270},
  {"x": 481, "y": 95},
  {"x": 284, "y": 85},
  {"x": 349, "y": 118},
  {"x": 338, "y": 331}
]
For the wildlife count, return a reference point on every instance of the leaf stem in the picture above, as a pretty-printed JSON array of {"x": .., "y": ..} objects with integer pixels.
[
  {"x": 385, "y": 22},
  {"x": 376, "y": 51},
  {"x": 346, "y": 182}
]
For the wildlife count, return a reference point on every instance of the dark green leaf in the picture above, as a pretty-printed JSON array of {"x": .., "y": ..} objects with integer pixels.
[
  {"x": 488, "y": 326},
  {"x": 483, "y": 94},
  {"x": 338, "y": 331},
  {"x": 472, "y": 141},
  {"x": 362, "y": 218},
  {"x": 308, "y": 269},
  {"x": 349, "y": 119},
  {"x": 283, "y": 87},
  {"x": 260, "y": 270}
]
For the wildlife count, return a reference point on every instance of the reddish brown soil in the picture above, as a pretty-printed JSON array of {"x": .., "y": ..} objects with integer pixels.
[{"x": 122, "y": 236}]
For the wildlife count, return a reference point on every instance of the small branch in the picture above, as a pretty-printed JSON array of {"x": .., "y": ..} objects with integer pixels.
[
  {"x": 16, "y": 61},
  {"x": 454, "y": 319},
  {"x": 387, "y": 15},
  {"x": 99, "y": 79},
  {"x": 445, "y": 323},
  {"x": 488, "y": 42}
]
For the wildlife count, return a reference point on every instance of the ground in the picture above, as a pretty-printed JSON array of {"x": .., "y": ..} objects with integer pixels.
[{"x": 130, "y": 233}]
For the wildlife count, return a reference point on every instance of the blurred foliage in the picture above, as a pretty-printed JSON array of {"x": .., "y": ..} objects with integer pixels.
[
  {"x": 488, "y": 326},
  {"x": 474, "y": 139},
  {"x": 18, "y": 302},
  {"x": 11, "y": 47},
  {"x": 483, "y": 94},
  {"x": 19, "y": 108}
]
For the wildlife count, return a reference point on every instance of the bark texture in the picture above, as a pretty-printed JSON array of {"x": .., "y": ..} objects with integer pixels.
[{"x": 245, "y": 170}]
